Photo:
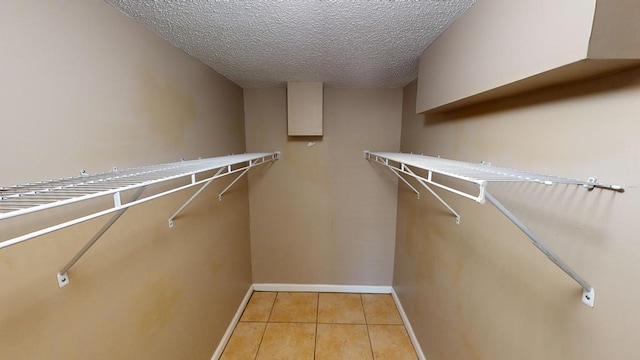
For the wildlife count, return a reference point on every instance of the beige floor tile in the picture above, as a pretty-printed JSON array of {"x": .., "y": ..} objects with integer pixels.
[
  {"x": 284, "y": 341},
  {"x": 391, "y": 342},
  {"x": 343, "y": 341},
  {"x": 380, "y": 309},
  {"x": 340, "y": 309},
  {"x": 244, "y": 341},
  {"x": 295, "y": 307},
  {"x": 259, "y": 306}
]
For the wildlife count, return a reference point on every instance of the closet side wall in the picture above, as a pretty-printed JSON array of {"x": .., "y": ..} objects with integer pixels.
[
  {"x": 480, "y": 290},
  {"x": 322, "y": 214},
  {"x": 83, "y": 87}
]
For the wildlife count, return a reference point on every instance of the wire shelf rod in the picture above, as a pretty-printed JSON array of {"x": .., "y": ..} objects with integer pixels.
[
  {"x": 10, "y": 208},
  {"x": 72, "y": 192},
  {"x": 478, "y": 172},
  {"x": 89, "y": 179},
  {"x": 26, "y": 203},
  {"x": 480, "y": 175},
  {"x": 222, "y": 162},
  {"x": 193, "y": 167},
  {"x": 405, "y": 170}
]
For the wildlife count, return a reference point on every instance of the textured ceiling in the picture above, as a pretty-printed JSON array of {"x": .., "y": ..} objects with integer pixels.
[{"x": 266, "y": 43}]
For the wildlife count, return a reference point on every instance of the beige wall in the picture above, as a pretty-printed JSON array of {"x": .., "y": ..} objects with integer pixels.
[
  {"x": 84, "y": 87},
  {"x": 498, "y": 42},
  {"x": 480, "y": 290},
  {"x": 503, "y": 47},
  {"x": 322, "y": 214},
  {"x": 615, "y": 27}
]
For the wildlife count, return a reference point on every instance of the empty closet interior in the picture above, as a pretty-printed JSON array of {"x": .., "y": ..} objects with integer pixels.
[{"x": 148, "y": 184}]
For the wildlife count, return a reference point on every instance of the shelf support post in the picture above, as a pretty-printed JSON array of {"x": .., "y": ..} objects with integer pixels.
[
  {"x": 588, "y": 293},
  {"x": 194, "y": 195},
  {"x": 61, "y": 276}
]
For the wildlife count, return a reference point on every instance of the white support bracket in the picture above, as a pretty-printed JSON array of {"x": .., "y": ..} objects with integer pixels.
[
  {"x": 40, "y": 196},
  {"x": 588, "y": 293},
  {"x": 234, "y": 181},
  {"x": 117, "y": 203},
  {"x": 224, "y": 171},
  {"x": 193, "y": 181},
  {"x": 406, "y": 182},
  {"x": 589, "y": 297},
  {"x": 480, "y": 175},
  {"x": 62, "y": 276},
  {"x": 63, "y": 280},
  {"x": 406, "y": 169}
]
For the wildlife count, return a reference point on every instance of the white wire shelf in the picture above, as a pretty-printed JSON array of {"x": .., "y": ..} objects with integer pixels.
[
  {"x": 480, "y": 175},
  {"x": 34, "y": 197}
]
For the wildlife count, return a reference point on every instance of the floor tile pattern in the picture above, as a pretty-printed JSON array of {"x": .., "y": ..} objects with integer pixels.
[{"x": 319, "y": 326}]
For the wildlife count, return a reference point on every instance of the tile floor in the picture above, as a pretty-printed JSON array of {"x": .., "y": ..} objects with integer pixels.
[{"x": 320, "y": 326}]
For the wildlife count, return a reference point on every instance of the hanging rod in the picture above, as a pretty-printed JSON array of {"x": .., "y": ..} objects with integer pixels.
[
  {"x": 480, "y": 175},
  {"x": 39, "y": 196}
]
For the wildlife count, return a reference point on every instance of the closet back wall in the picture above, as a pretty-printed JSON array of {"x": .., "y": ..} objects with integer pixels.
[
  {"x": 85, "y": 87},
  {"x": 322, "y": 214}
]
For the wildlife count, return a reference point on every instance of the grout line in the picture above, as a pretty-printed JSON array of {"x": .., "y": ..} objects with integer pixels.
[
  {"x": 366, "y": 323},
  {"x": 315, "y": 343},
  {"x": 364, "y": 310},
  {"x": 367, "y": 326},
  {"x": 275, "y": 298},
  {"x": 253, "y": 322},
  {"x": 294, "y": 322},
  {"x": 266, "y": 325}
]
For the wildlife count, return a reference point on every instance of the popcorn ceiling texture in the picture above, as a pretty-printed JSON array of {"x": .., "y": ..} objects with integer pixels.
[{"x": 352, "y": 44}]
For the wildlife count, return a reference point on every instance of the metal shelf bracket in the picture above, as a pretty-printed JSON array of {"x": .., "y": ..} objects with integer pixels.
[
  {"x": 193, "y": 181},
  {"x": 422, "y": 181},
  {"x": 406, "y": 182},
  {"x": 407, "y": 170},
  {"x": 223, "y": 171},
  {"x": 589, "y": 297},
  {"x": 234, "y": 182},
  {"x": 480, "y": 175},
  {"x": 588, "y": 293},
  {"x": 39, "y": 196},
  {"x": 63, "y": 278}
]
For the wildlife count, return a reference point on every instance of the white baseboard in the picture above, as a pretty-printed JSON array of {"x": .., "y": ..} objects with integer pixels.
[
  {"x": 407, "y": 325},
  {"x": 232, "y": 325},
  {"x": 365, "y": 289}
]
